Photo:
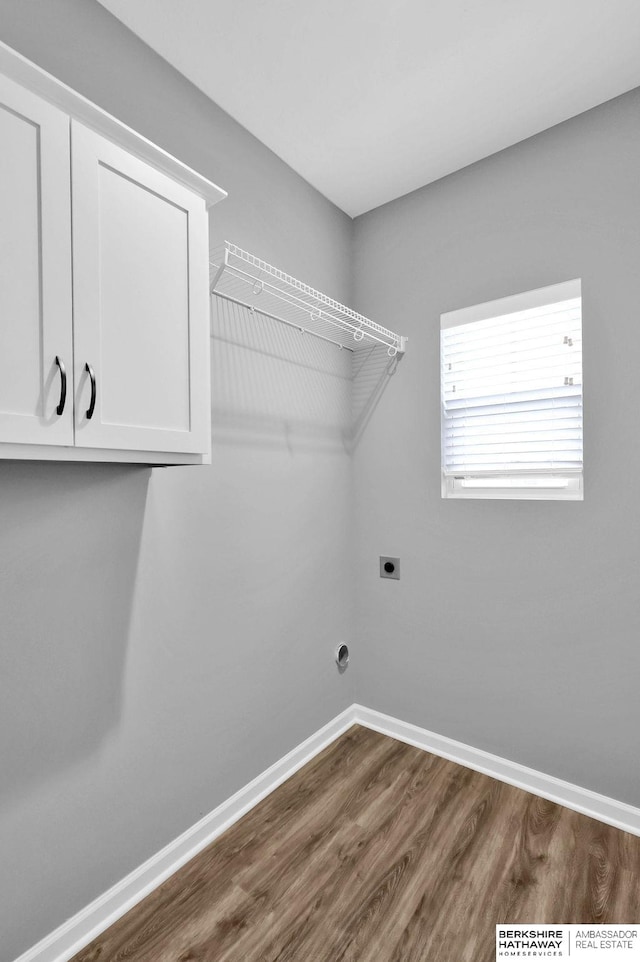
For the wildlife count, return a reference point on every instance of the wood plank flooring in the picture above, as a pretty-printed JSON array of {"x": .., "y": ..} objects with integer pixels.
[{"x": 379, "y": 852}]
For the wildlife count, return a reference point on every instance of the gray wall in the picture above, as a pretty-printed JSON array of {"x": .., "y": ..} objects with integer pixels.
[
  {"x": 168, "y": 634},
  {"x": 515, "y": 626}
]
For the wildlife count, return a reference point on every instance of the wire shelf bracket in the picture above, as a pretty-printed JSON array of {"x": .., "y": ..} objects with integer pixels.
[{"x": 245, "y": 279}]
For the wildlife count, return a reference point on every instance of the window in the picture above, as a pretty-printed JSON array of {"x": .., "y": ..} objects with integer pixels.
[{"x": 511, "y": 387}]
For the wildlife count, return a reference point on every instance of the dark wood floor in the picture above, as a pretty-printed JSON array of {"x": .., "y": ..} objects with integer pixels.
[{"x": 378, "y": 852}]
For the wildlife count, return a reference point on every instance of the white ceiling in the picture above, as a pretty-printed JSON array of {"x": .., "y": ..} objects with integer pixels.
[{"x": 370, "y": 99}]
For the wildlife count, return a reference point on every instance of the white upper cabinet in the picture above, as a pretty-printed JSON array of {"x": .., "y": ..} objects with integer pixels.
[
  {"x": 35, "y": 271},
  {"x": 104, "y": 319}
]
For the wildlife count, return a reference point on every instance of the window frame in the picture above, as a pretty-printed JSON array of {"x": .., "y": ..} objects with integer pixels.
[{"x": 549, "y": 486}]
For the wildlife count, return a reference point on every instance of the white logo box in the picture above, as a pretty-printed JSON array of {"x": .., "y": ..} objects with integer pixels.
[{"x": 581, "y": 943}]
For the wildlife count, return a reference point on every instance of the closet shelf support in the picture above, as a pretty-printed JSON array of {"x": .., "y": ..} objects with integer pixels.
[{"x": 246, "y": 280}]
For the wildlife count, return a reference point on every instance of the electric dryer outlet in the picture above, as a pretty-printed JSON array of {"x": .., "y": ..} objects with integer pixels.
[{"x": 390, "y": 568}]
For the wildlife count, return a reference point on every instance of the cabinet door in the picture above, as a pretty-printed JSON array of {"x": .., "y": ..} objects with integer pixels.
[
  {"x": 140, "y": 283},
  {"x": 35, "y": 270}
]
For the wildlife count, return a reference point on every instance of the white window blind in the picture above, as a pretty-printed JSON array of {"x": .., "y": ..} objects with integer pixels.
[{"x": 511, "y": 376}]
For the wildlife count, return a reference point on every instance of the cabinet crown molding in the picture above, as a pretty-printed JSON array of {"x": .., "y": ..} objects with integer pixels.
[{"x": 38, "y": 81}]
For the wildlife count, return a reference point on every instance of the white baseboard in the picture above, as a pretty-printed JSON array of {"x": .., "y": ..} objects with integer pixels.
[
  {"x": 74, "y": 934},
  {"x": 582, "y": 800},
  {"x": 82, "y": 928}
]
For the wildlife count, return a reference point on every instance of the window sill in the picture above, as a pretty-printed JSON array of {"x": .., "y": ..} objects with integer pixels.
[{"x": 515, "y": 489}]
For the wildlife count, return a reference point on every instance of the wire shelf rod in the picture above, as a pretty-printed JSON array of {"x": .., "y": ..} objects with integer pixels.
[
  {"x": 315, "y": 313},
  {"x": 243, "y": 278},
  {"x": 273, "y": 317},
  {"x": 304, "y": 288},
  {"x": 239, "y": 289}
]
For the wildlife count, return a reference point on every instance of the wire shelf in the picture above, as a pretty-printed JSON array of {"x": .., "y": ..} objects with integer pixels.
[{"x": 244, "y": 279}]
